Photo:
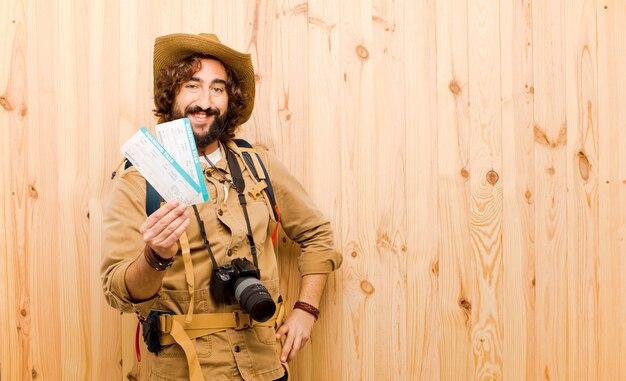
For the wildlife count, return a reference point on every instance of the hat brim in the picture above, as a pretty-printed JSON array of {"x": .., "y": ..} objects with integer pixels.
[{"x": 174, "y": 47}]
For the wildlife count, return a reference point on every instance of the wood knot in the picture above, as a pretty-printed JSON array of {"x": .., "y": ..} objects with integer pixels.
[
  {"x": 34, "y": 373},
  {"x": 362, "y": 52},
  {"x": 23, "y": 312},
  {"x": 465, "y": 304},
  {"x": 550, "y": 171},
  {"x": 529, "y": 196},
  {"x": 464, "y": 173},
  {"x": 492, "y": 177},
  {"x": 32, "y": 192},
  {"x": 435, "y": 268},
  {"x": 584, "y": 166},
  {"x": 285, "y": 114},
  {"x": 4, "y": 102},
  {"x": 353, "y": 254},
  {"x": 367, "y": 287},
  {"x": 454, "y": 87}
]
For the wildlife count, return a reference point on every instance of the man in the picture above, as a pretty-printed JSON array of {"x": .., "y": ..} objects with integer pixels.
[{"x": 162, "y": 264}]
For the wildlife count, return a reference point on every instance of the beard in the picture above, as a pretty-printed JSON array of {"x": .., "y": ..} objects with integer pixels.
[{"x": 216, "y": 129}]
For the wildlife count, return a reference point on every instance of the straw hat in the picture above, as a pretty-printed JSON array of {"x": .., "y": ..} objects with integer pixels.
[{"x": 174, "y": 47}]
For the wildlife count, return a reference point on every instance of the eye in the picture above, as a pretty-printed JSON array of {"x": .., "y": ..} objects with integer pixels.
[
  {"x": 191, "y": 86},
  {"x": 218, "y": 91}
]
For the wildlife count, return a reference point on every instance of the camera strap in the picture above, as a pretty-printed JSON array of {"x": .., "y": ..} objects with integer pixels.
[{"x": 239, "y": 184}]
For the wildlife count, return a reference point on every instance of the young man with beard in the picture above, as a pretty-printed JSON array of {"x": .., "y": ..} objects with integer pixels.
[{"x": 161, "y": 266}]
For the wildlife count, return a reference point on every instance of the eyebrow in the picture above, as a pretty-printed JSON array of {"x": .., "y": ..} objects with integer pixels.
[{"x": 217, "y": 80}]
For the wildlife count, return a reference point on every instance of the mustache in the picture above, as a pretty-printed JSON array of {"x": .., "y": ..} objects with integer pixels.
[{"x": 197, "y": 109}]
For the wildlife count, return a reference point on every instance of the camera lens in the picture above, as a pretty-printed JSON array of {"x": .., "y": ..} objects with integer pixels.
[{"x": 254, "y": 298}]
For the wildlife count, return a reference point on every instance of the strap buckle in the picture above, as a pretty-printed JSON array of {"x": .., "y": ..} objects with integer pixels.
[
  {"x": 242, "y": 320},
  {"x": 166, "y": 321}
]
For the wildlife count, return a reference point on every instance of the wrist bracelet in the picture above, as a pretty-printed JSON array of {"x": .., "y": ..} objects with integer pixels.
[
  {"x": 155, "y": 261},
  {"x": 304, "y": 306}
]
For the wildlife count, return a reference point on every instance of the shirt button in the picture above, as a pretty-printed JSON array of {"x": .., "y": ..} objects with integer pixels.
[
  {"x": 237, "y": 349},
  {"x": 220, "y": 212}
]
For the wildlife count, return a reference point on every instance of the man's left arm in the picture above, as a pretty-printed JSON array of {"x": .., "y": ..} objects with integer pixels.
[
  {"x": 305, "y": 224},
  {"x": 298, "y": 324}
]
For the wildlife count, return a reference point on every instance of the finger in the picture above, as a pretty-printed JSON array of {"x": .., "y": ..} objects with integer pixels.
[
  {"x": 159, "y": 214},
  {"x": 176, "y": 233},
  {"x": 286, "y": 348},
  {"x": 163, "y": 224},
  {"x": 282, "y": 330},
  {"x": 297, "y": 344}
]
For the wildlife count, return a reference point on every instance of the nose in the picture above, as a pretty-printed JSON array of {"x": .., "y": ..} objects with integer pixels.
[{"x": 204, "y": 99}]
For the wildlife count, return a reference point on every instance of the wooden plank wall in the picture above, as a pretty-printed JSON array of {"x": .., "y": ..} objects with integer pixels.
[{"x": 471, "y": 156}]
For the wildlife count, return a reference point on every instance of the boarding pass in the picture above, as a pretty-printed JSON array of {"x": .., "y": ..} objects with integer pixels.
[{"x": 170, "y": 164}]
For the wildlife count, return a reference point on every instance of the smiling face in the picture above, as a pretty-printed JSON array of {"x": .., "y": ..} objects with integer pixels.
[{"x": 204, "y": 100}]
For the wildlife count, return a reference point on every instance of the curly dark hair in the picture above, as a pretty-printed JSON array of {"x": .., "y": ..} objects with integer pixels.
[{"x": 170, "y": 79}]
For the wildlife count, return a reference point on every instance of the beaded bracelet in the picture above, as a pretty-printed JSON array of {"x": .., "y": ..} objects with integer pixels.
[
  {"x": 308, "y": 308},
  {"x": 155, "y": 261}
]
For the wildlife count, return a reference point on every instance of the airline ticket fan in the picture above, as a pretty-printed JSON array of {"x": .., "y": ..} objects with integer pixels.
[{"x": 169, "y": 162}]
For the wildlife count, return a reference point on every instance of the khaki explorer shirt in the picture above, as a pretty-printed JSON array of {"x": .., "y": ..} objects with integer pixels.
[{"x": 248, "y": 354}]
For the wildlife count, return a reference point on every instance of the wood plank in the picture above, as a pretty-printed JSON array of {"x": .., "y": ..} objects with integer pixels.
[
  {"x": 72, "y": 112},
  {"x": 387, "y": 55},
  {"x": 455, "y": 266},
  {"x": 550, "y": 132},
  {"x": 44, "y": 245},
  {"x": 358, "y": 215},
  {"x": 582, "y": 184},
  {"x": 486, "y": 186},
  {"x": 518, "y": 185},
  {"x": 323, "y": 161},
  {"x": 15, "y": 284},
  {"x": 417, "y": 25},
  {"x": 611, "y": 119}
]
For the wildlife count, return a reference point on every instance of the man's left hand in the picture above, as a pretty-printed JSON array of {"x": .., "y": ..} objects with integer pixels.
[{"x": 297, "y": 329}]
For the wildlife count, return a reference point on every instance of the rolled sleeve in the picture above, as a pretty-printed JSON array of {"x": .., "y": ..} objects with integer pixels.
[
  {"x": 117, "y": 295},
  {"x": 303, "y": 222}
]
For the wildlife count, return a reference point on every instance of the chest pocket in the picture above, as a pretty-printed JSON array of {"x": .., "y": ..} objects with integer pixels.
[{"x": 233, "y": 218}]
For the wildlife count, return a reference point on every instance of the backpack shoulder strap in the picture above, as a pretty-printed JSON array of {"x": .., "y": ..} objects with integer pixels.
[
  {"x": 153, "y": 198},
  {"x": 247, "y": 150}
]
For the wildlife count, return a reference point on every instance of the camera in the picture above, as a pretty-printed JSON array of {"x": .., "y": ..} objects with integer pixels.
[{"x": 239, "y": 281}]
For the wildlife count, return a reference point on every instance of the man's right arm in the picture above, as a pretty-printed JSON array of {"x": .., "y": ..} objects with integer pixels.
[
  {"x": 160, "y": 231},
  {"x": 130, "y": 285}
]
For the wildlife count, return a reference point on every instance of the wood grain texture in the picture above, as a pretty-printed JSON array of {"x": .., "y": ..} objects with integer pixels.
[
  {"x": 455, "y": 266},
  {"x": 469, "y": 155},
  {"x": 518, "y": 214},
  {"x": 323, "y": 142},
  {"x": 358, "y": 231},
  {"x": 582, "y": 183},
  {"x": 416, "y": 22},
  {"x": 486, "y": 187},
  {"x": 611, "y": 289},
  {"x": 550, "y": 134}
]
